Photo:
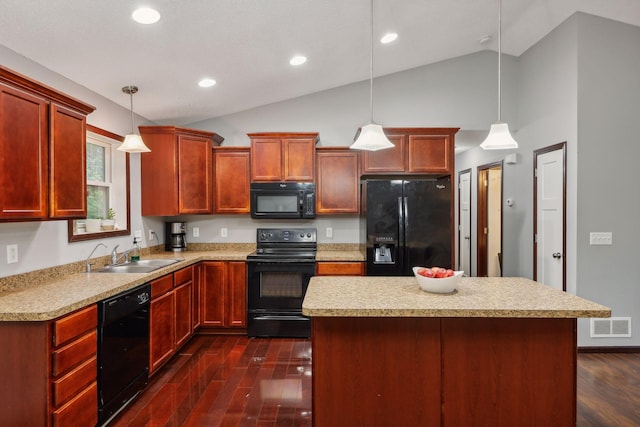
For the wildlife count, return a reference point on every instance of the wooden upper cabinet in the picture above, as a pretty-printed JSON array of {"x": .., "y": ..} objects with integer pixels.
[
  {"x": 177, "y": 175},
  {"x": 24, "y": 155},
  {"x": 42, "y": 151},
  {"x": 68, "y": 175},
  {"x": 416, "y": 151},
  {"x": 283, "y": 156},
  {"x": 338, "y": 181},
  {"x": 232, "y": 175}
]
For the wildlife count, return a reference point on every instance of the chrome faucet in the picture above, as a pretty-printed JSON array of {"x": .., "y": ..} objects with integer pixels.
[
  {"x": 88, "y": 264},
  {"x": 115, "y": 257}
]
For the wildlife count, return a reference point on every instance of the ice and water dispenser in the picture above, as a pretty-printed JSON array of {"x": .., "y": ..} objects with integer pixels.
[{"x": 384, "y": 250}]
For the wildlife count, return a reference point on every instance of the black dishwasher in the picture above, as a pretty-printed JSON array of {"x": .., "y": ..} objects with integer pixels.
[{"x": 123, "y": 350}]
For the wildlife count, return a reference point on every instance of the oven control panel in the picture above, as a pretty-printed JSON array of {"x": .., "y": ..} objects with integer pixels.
[{"x": 286, "y": 235}]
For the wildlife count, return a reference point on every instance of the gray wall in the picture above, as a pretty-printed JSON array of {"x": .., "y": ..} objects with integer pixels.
[
  {"x": 608, "y": 152},
  {"x": 45, "y": 244}
]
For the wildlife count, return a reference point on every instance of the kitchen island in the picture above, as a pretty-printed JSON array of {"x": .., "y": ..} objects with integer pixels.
[{"x": 495, "y": 352}]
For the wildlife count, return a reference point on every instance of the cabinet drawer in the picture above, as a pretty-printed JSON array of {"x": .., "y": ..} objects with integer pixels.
[
  {"x": 70, "y": 384},
  {"x": 340, "y": 269},
  {"x": 81, "y": 411},
  {"x": 183, "y": 276},
  {"x": 72, "y": 354},
  {"x": 74, "y": 325},
  {"x": 162, "y": 285}
]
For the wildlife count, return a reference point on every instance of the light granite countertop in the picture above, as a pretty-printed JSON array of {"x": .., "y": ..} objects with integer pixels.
[
  {"x": 339, "y": 296},
  {"x": 51, "y": 298}
]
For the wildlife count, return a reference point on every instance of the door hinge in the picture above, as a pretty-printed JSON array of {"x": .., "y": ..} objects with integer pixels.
[
  {"x": 535, "y": 238},
  {"x": 535, "y": 172},
  {"x": 486, "y": 183},
  {"x": 486, "y": 230}
]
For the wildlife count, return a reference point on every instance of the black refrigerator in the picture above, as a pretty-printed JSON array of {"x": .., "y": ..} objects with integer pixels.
[{"x": 408, "y": 223}]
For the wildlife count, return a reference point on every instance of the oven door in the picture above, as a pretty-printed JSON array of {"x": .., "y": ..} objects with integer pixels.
[{"x": 277, "y": 286}]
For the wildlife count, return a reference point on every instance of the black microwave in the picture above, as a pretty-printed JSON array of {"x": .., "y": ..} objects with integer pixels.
[{"x": 286, "y": 200}]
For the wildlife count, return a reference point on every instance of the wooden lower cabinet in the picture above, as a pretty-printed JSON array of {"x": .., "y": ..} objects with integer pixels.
[
  {"x": 171, "y": 323},
  {"x": 49, "y": 371},
  {"x": 162, "y": 330},
  {"x": 223, "y": 294},
  {"x": 340, "y": 268}
]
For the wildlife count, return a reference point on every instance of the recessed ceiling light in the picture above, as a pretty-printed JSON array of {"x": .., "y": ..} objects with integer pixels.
[
  {"x": 146, "y": 15},
  {"x": 206, "y": 83},
  {"x": 388, "y": 38},
  {"x": 298, "y": 60}
]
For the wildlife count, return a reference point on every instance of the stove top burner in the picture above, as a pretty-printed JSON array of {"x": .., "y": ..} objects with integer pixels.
[{"x": 285, "y": 244}]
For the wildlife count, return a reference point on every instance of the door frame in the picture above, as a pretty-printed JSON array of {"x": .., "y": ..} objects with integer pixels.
[
  {"x": 560, "y": 146},
  {"x": 483, "y": 217},
  {"x": 460, "y": 173}
]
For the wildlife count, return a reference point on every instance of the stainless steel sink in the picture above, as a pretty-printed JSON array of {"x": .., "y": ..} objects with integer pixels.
[{"x": 142, "y": 266}]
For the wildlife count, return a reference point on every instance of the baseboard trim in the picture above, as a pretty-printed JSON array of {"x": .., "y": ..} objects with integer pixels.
[{"x": 608, "y": 349}]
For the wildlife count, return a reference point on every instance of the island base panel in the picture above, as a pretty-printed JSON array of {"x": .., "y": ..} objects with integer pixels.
[
  {"x": 376, "y": 372},
  {"x": 443, "y": 372},
  {"x": 506, "y": 372}
]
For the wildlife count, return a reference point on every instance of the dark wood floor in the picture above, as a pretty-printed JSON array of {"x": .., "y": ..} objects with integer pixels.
[{"x": 238, "y": 381}]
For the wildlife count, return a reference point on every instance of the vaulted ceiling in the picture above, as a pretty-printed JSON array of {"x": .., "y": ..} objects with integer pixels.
[{"x": 245, "y": 45}]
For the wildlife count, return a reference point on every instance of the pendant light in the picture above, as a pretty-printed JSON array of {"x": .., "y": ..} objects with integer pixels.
[
  {"x": 133, "y": 142},
  {"x": 499, "y": 137},
  {"x": 371, "y": 137}
]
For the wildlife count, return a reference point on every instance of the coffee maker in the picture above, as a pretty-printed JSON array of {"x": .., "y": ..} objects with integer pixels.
[{"x": 175, "y": 236}]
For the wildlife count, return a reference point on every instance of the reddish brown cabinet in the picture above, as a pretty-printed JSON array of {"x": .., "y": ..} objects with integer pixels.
[
  {"x": 171, "y": 323},
  {"x": 232, "y": 175},
  {"x": 49, "y": 370},
  {"x": 176, "y": 176},
  {"x": 183, "y": 294},
  {"x": 223, "y": 294},
  {"x": 338, "y": 181},
  {"x": 162, "y": 331},
  {"x": 340, "y": 268},
  {"x": 283, "y": 156},
  {"x": 416, "y": 151},
  {"x": 42, "y": 151}
]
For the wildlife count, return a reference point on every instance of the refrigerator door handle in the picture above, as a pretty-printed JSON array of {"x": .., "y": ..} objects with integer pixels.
[
  {"x": 401, "y": 214},
  {"x": 405, "y": 249}
]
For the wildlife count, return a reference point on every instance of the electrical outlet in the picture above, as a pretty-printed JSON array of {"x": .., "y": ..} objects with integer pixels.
[
  {"x": 224, "y": 232},
  {"x": 151, "y": 234},
  {"x": 138, "y": 234},
  {"x": 196, "y": 231},
  {"x": 601, "y": 238},
  {"x": 329, "y": 232},
  {"x": 12, "y": 254}
]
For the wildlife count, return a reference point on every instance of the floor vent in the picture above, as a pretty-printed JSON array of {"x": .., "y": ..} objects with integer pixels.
[{"x": 613, "y": 327}]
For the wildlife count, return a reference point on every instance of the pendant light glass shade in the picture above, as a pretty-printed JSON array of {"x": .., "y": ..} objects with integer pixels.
[
  {"x": 371, "y": 137},
  {"x": 133, "y": 142},
  {"x": 499, "y": 137}
]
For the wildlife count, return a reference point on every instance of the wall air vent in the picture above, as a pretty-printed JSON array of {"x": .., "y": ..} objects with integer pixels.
[{"x": 614, "y": 327}]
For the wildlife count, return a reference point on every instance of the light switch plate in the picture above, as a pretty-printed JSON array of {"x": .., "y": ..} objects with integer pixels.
[
  {"x": 600, "y": 238},
  {"x": 196, "y": 231},
  {"x": 329, "y": 232},
  {"x": 224, "y": 232}
]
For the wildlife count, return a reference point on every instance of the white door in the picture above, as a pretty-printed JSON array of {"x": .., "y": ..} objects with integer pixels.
[
  {"x": 464, "y": 226},
  {"x": 550, "y": 218}
]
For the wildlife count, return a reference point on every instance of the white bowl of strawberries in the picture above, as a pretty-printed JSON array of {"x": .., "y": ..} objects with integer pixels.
[{"x": 437, "y": 279}]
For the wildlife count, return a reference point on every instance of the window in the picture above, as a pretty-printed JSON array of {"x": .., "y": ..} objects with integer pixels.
[
  {"x": 98, "y": 177},
  {"x": 107, "y": 189}
]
